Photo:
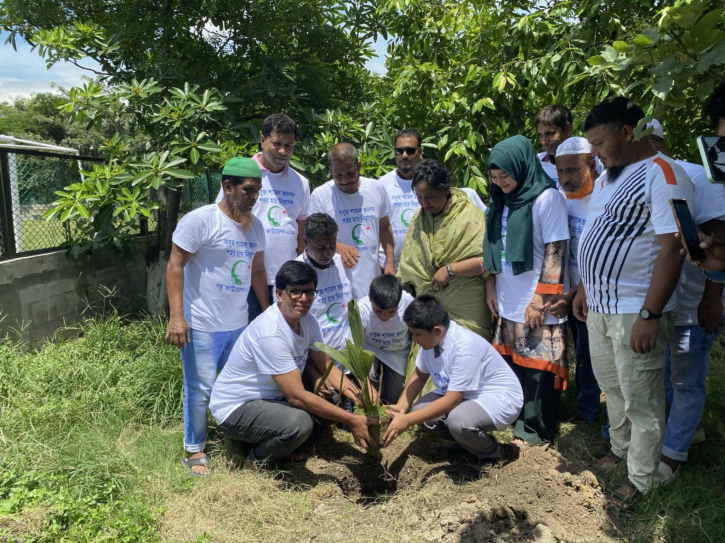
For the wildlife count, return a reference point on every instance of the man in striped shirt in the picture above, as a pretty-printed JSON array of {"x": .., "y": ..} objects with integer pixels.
[{"x": 630, "y": 263}]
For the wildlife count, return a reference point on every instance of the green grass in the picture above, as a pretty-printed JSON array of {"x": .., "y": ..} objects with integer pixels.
[
  {"x": 41, "y": 234},
  {"x": 91, "y": 439}
]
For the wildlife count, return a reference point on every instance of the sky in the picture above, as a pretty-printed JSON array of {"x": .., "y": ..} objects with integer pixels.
[{"x": 23, "y": 73}]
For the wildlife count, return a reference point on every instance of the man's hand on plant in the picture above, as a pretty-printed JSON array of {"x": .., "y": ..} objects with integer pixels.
[
  {"x": 177, "y": 332},
  {"x": 359, "y": 429},
  {"x": 397, "y": 426},
  {"x": 326, "y": 392},
  {"x": 348, "y": 254}
]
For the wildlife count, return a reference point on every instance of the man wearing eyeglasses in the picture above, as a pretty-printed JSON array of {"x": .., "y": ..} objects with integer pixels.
[
  {"x": 398, "y": 185},
  {"x": 259, "y": 397}
]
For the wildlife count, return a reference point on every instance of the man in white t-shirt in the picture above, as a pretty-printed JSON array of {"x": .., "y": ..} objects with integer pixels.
[
  {"x": 476, "y": 392},
  {"x": 554, "y": 124},
  {"x": 386, "y": 334},
  {"x": 577, "y": 175},
  {"x": 630, "y": 264},
  {"x": 283, "y": 201},
  {"x": 217, "y": 259},
  {"x": 259, "y": 397},
  {"x": 361, "y": 209},
  {"x": 698, "y": 323},
  {"x": 334, "y": 281},
  {"x": 398, "y": 185}
]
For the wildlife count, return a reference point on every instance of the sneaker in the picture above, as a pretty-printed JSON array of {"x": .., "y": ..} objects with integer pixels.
[
  {"x": 667, "y": 474},
  {"x": 699, "y": 435}
]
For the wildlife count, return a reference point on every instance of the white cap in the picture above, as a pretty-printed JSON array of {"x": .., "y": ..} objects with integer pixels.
[
  {"x": 658, "y": 131},
  {"x": 574, "y": 146}
]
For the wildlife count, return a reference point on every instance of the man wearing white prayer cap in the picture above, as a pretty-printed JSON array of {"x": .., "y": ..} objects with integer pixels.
[
  {"x": 698, "y": 323},
  {"x": 577, "y": 174}
]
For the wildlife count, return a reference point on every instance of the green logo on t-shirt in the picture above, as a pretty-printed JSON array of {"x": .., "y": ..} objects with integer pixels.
[
  {"x": 275, "y": 215},
  {"x": 338, "y": 312},
  {"x": 360, "y": 234},
  {"x": 406, "y": 215},
  {"x": 241, "y": 272}
]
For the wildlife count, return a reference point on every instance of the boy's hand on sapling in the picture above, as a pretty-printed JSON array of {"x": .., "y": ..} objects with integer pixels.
[{"x": 397, "y": 426}]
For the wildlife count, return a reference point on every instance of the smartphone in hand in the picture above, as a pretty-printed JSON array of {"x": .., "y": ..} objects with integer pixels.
[
  {"x": 712, "y": 151},
  {"x": 688, "y": 229}
]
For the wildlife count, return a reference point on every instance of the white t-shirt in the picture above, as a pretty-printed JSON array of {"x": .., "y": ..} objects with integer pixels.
[
  {"x": 358, "y": 217},
  {"x": 468, "y": 363},
  {"x": 618, "y": 247},
  {"x": 389, "y": 340},
  {"x": 218, "y": 276},
  {"x": 577, "y": 211},
  {"x": 709, "y": 205},
  {"x": 283, "y": 200},
  {"x": 267, "y": 347},
  {"x": 514, "y": 292},
  {"x": 334, "y": 292},
  {"x": 403, "y": 205}
]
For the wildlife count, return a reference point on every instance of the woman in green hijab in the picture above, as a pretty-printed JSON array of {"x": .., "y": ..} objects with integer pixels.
[
  {"x": 524, "y": 250},
  {"x": 442, "y": 253}
]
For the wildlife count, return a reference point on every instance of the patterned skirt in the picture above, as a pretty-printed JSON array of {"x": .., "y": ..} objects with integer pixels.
[{"x": 541, "y": 349}]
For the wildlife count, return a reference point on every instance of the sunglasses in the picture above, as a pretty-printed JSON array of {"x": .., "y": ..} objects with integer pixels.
[
  {"x": 410, "y": 150},
  {"x": 296, "y": 293}
]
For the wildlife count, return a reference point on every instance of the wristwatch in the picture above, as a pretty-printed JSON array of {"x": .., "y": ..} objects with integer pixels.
[{"x": 646, "y": 315}]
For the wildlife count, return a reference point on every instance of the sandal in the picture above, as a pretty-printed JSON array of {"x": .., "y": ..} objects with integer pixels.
[
  {"x": 613, "y": 460},
  {"x": 189, "y": 463},
  {"x": 625, "y": 502}
]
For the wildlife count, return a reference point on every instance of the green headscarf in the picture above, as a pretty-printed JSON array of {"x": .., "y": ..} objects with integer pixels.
[{"x": 517, "y": 157}]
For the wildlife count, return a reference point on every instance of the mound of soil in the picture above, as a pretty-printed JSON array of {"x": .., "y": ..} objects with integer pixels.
[{"x": 539, "y": 496}]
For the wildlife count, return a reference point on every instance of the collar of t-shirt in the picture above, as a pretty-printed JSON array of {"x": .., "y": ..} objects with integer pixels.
[
  {"x": 439, "y": 349},
  {"x": 258, "y": 159},
  {"x": 399, "y": 180},
  {"x": 312, "y": 263},
  {"x": 544, "y": 157}
]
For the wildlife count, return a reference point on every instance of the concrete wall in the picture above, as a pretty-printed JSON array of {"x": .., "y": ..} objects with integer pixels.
[{"x": 45, "y": 292}]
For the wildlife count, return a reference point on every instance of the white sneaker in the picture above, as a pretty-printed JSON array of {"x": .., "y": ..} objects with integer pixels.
[
  {"x": 667, "y": 474},
  {"x": 699, "y": 435}
]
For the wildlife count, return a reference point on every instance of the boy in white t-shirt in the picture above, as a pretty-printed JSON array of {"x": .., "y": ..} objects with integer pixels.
[
  {"x": 386, "y": 334},
  {"x": 476, "y": 392},
  {"x": 217, "y": 258},
  {"x": 259, "y": 397},
  {"x": 361, "y": 209}
]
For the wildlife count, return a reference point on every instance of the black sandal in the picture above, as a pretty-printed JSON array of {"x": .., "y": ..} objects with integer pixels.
[{"x": 626, "y": 502}]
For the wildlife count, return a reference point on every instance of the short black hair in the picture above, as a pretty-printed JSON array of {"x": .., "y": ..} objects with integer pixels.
[
  {"x": 320, "y": 224},
  {"x": 293, "y": 273},
  {"x": 618, "y": 111},
  {"x": 715, "y": 108},
  {"x": 426, "y": 312},
  {"x": 280, "y": 123},
  {"x": 554, "y": 115},
  {"x": 407, "y": 132},
  {"x": 434, "y": 173},
  {"x": 236, "y": 180},
  {"x": 385, "y": 291}
]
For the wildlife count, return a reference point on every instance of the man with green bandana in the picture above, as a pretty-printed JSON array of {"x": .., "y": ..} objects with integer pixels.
[{"x": 217, "y": 258}]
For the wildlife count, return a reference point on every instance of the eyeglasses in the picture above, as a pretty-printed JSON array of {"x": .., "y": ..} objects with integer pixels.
[
  {"x": 296, "y": 293},
  {"x": 410, "y": 150}
]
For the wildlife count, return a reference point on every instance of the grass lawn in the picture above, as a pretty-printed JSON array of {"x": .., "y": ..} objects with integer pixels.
[{"x": 91, "y": 442}]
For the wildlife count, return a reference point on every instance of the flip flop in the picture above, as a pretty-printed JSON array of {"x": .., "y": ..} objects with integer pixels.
[
  {"x": 189, "y": 463},
  {"x": 626, "y": 501}
]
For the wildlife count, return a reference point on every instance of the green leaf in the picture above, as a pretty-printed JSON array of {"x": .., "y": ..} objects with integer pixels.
[
  {"x": 210, "y": 147},
  {"x": 610, "y": 55},
  {"x": 643, "y": 41},
  {"x": 621, "y": 47},
  {"x": 181, "y": 174},
  {"x": 596, "y": 60},
  {"x": 662, "y": 87},
  {"x": 194, "y": 155}
]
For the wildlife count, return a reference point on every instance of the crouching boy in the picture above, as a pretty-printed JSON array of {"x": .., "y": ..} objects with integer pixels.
[
  {"x": 386, "y": 334},
  {"x": 475, "y": 390}
]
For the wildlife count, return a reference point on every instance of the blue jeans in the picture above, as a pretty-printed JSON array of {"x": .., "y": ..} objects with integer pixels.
[
  {"x": 586, "y": 384},
  {"x": 255, "y": 310},
  {"x": 688, "y": 356},
  {"x": 202, "y": 358}
]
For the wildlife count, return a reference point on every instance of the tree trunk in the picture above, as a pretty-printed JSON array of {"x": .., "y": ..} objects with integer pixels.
[{"x": 157, "y": 300}]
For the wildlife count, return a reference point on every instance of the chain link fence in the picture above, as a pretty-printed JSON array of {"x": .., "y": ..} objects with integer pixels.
[{"x": 29, "y": 181}]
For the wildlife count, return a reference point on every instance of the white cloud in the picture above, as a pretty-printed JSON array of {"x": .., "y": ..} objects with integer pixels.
[{"x": 24, "y": 72}]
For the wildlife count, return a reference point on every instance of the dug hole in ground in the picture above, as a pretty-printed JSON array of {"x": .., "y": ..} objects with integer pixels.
[{"x": 412, "y": 492}]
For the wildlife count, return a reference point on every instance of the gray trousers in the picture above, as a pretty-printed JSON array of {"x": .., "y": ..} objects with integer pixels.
[
  {"x": 468, "y": 424},
  {"x": 393, "y": 382},
  {"x": 273, "y": 426}
]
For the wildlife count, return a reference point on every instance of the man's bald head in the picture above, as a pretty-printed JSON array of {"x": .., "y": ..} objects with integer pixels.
[
  {"x": 342, "y": 152},
  {"x": 345, "y": 167}
]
